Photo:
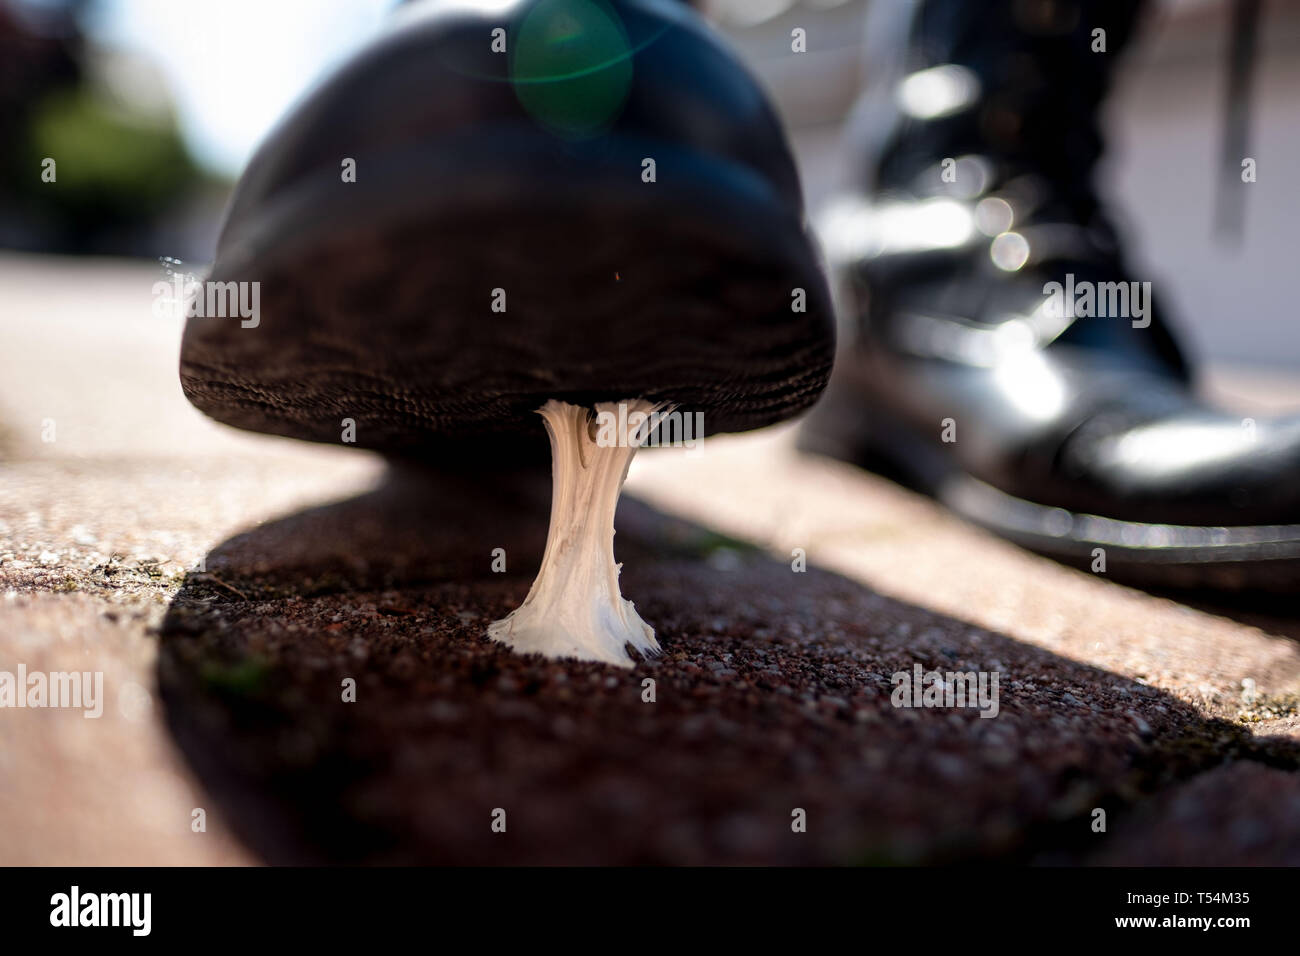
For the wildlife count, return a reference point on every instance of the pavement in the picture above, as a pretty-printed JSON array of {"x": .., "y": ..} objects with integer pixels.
[{"x": 236, "y": 590}]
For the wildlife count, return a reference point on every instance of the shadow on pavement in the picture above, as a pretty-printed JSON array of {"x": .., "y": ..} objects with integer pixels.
[{"x": 772, "y": 696}]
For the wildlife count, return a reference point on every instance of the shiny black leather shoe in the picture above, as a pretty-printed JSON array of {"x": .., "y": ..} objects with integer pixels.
[
  {"x": 1000, "y": 353},
  {"x": 488, "y": 208}
]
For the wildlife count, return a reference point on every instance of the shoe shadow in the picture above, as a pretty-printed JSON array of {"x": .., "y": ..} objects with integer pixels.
[{"x": 328, "y": 679}]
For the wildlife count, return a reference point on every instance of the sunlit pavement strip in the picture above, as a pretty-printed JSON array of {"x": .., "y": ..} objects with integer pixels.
[
  {"x": 760, "y": 489},
  {"x": 139, "y": 483}
]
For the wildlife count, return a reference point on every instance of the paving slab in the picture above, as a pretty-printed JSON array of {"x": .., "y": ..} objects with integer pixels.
[{"x": 227, "y": 587}]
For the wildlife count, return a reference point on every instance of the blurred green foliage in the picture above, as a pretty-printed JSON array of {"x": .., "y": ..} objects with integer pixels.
[
  {"x": 123, "y": 180},
  {"x": 111, "y": 168}
]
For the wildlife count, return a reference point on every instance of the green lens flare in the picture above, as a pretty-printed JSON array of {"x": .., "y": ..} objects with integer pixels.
[{"x": 572, "y": 66}]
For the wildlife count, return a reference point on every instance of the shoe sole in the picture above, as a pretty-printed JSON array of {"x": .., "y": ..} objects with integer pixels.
[
  {"x": 678, "y": 291},
  {"x": 1263, "y": 558}
]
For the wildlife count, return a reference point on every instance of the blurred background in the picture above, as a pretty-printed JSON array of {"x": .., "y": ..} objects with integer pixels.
[{"x": 152, "y": 107}]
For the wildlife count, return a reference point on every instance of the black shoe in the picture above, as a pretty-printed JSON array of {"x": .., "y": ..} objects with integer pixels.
[
  {"x": 507, "y": 239},
  {"x": 1078, "y": 436}
]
